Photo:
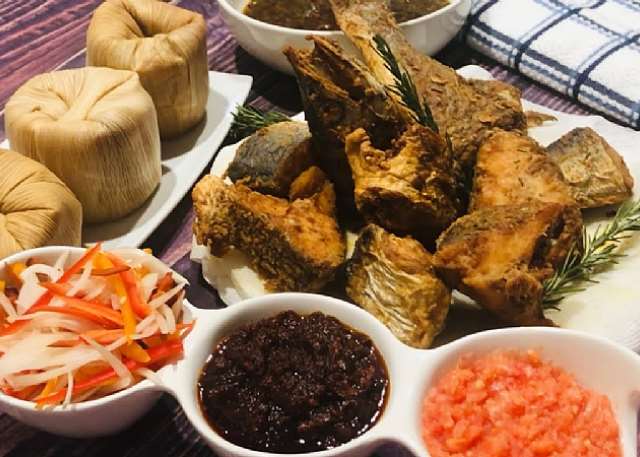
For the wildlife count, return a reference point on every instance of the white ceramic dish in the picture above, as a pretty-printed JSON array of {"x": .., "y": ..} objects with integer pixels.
[
  {"x": 608, "y": 308},
  {"x": 411, "y": 373},
  {"x": 266, "y": 41},
  {"x": 183, "y": 159}
]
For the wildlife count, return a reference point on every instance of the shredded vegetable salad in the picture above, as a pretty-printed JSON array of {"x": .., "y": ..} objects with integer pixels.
[{"x": 71, "y": 332}]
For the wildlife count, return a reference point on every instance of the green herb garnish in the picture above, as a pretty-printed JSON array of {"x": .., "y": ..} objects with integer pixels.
[
  {"x": 596, "y": 252},
  {"x": 404, "y": 86},
  {"x": 247, "y": 120}
]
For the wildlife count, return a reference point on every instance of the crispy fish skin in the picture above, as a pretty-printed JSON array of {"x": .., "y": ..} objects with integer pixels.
[
  {"x": 393, "y": 278},
  {"x": 294, "y": 246},
  {"x": 467, "y": 109},
  {"x": 500, "y": 256},
  {"x": 340, "y": 95},
  {"x": 412, "y": 188},
  {"x": 272, "y": 157},
  {"x": 513, "y": 168},
  {"x": 596, "y": 173}
]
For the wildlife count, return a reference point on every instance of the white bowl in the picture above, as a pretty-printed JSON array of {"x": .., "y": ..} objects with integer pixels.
[
  {"x": 597, "y": 363},
  {"x": 266, "y": 41}
]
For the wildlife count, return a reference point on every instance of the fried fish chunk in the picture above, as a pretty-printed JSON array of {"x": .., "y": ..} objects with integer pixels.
[
  {"x": 500, "y": 256},
  {"x": 513, "y": 168},
  {"x": 270, "y": 159},
  {"x": 466, "y": 109},
  {"x": 415, "y": 187},
  {"x": 294, "y": 246},
  {"x": 340, "y": 95},
  {"x": 596, "y": 173},
  {"x": 393, "y": 278}
]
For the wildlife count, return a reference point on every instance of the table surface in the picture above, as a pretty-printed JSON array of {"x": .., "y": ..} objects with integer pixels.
[{"x": 44, "y": 35}]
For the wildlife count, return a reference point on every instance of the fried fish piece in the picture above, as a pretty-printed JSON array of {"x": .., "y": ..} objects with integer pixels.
[
  {"x": 596, "y": 173},
  {"x": 513, "y": 168},
  {"x": 340, "y": 95},
  {"x": 294, "y": 246},
  {"x": 415, "y": 187},
  {"x": 393, "y": 278},
  {"x": 501, "y": 255},
  {"x": 270, "y": 159},
  {"x": 466, "y": 109}
]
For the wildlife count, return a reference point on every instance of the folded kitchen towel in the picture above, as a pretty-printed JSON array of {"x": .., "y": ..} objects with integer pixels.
[{"x": 586, "y": 49}]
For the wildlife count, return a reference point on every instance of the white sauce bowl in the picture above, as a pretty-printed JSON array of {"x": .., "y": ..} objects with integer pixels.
[{"x": 265, "y": 41}]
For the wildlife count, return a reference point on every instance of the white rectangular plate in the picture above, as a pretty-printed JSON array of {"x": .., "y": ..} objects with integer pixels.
[
  {"x": 609, "y": 308},
  {"x": 183, "y": 159}
]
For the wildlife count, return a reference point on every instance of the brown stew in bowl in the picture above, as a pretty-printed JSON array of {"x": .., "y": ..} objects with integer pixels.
[
  {"x": 293, "y": 384},
  {"x": 317, "y": 14}
]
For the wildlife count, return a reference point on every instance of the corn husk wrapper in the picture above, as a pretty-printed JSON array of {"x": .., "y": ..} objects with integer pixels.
[
  {"x": 96, "y": 129},
  {"x": 36, "y": 208},
  {"x": 166, "y": 46}
]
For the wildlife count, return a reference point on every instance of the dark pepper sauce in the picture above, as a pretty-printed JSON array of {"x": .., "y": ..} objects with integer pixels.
[
  {"x": 317, "y": 14},
  {"x": 293, "y": 384}
]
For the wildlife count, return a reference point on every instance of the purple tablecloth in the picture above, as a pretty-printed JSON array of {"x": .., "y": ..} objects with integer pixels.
[{"x": 44, "y": 35}]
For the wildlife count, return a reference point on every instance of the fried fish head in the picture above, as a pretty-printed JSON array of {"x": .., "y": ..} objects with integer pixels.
[
  {"x": 501, "y": 255},
  {"x": 340, "y": 95},
  {"x": 414, "y": 187}
]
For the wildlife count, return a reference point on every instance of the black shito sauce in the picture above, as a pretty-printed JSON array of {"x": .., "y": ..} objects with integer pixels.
[{"x": 293, "y": 384}]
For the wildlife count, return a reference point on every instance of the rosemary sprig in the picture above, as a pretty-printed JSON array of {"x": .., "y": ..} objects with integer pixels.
[
  {"x": 598, "y": 251},
  {"x": 247, "y": 120},
  {"x": 404, "y": 86}
]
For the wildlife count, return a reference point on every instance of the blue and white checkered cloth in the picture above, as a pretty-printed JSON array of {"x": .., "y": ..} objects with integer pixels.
[{"x": 587, "y": 49}]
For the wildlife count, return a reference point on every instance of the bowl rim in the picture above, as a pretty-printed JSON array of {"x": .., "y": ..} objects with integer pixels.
[{"x": 266, "y": 26}]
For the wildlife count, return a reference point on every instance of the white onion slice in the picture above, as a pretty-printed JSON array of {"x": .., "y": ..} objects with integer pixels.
[
  {"x": 121, "y": 370},
  {"x": 61, "y": 262},
  {"x": 69, "y": 394},
  {"x": 148, "y": 284},
  {"x": 30, "y": 292},
  {"x": 30, "y": 273},
  {"x": 169, "y": 318},
  {"x": 177, "y": 306},
  {"x": 150, "y": 375},
  {"x": 162, "y": 324},
  {"x": 165, "y": 297},
  {"x": 95, "y": 289},
  {"x": 83, "y": 281},
  {"x": 151, "y": 329},
  {"x": 145, "y": 322}
]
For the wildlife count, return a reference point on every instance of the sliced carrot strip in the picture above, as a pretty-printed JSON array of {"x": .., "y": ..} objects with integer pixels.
[
  {"x": 94, "y": 308},
  {"x": 128, "y": 317},
  {"x": 109, "y": 271},
  {"x": 82, "y": 261},
  {"x": 139, "y": 306}
]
